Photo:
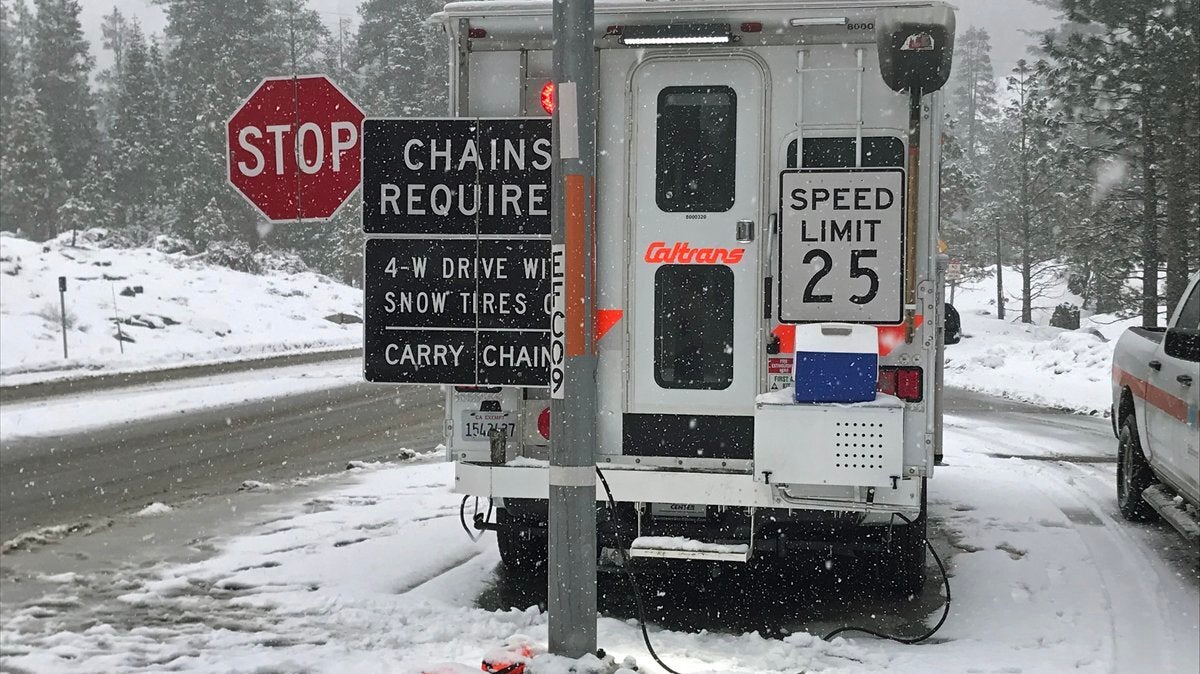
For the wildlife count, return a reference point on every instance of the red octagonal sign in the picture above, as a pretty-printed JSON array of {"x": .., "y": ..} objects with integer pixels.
[{"x": 294, "y": 148}]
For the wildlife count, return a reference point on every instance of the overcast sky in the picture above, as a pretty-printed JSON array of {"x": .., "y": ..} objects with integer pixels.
[{"x": 1004, "y": 19}]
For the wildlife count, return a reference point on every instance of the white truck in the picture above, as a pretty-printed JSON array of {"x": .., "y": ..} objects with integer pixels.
[
  {"x": 757, "y": 181},
  {"x": 1156, "y": 393}
]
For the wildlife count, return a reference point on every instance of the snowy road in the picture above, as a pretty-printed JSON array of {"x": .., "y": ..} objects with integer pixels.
[
  {"x": 85, "y": 457},
  {"x": 370, "y": 572}
]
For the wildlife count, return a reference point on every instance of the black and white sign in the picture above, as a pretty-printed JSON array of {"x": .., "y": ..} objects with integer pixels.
[
  {"x": 841, "y": 245},
  {"x": 458, "y": 311},
  {"x": 464, "y": 176}
]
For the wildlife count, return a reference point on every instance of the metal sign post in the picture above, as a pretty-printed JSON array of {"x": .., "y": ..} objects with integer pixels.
[
  {"x": 571, "y": 588},
  {"x": 62, "y": 305}
]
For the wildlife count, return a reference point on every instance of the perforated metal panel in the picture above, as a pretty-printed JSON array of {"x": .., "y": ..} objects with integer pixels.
[{"x": 842, "y": 445}]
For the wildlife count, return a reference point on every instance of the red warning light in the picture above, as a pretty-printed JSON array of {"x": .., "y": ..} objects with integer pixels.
[{"x": 548, "y": 98}]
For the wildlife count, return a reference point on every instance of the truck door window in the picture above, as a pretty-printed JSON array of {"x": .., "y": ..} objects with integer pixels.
[
  {"x": 1189, "y": 315},
  {"x": 878, "y": 152},
  {"x": 695, "y": 153},
  {"x": 693, "y": 326}
]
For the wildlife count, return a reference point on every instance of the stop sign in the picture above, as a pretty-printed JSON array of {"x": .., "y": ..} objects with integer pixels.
[{"x": 294, "y": 148}]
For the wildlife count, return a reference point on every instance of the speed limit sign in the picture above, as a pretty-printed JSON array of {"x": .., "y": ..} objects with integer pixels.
[{"x": 841, "y": 245}]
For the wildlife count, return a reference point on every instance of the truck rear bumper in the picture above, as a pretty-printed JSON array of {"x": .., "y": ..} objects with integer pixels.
[{"x": 639, "y": 485}]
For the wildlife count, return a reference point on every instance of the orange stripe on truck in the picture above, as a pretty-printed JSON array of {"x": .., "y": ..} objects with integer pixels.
[{"x": 1169, "y": 403}]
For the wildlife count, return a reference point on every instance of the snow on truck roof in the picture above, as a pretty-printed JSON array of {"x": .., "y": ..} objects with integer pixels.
[{"x": 536, "y": 7}]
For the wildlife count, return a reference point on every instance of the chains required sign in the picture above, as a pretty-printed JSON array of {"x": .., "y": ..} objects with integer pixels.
[{"x": 841, "y": 245}]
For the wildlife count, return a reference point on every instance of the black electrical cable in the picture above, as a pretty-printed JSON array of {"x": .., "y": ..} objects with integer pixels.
[
  {"x": 462, "y": 517},
  {"x": 908, "y": 640},
  {"x": 627, "y": 567}
]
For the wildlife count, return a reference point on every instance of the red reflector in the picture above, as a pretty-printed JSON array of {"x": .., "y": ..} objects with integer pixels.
[
  {"x": 548, "y": 98},
  {"x": 544, "y": 423},
  {"x": 752, "y": 27},
  {"x": 906, "y": 383},
  {"x": 476, "y": 33}
]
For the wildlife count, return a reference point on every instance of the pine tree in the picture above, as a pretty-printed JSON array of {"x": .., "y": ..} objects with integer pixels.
[
  {"x": 137, "y": 133},
  {"x": 8, "y": 65},
  {"x": 1129, "y": 72},
  {"x": 30, "y": 178},
  {"x": 61, "y": 66},
  {"x": 392, "y": 56},
  {"x": 1031, "y": 179},
  {"x": 115, "y": 31},
  {"x": 973, "y": 91}
]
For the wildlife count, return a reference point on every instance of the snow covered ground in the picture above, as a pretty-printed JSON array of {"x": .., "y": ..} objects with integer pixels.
[
  {"x": 1070, "y": 369},
  {"x": 80, "y": 412},
  {"x": 376, "y": 575},
  {"x": 188, "y": 311}
]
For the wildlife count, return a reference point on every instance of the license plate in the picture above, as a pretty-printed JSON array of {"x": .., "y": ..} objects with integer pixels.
[{"x": 477, "y": 425}]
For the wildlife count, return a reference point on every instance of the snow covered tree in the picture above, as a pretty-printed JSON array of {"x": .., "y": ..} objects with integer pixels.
[
  {"x": 30, "y": 178},
  {"x": 1128, "y": 71},
  {"x": 392, "y": 56},
  {"x": 61, "y": 66},
  {"x": 115, "y": 33},
  {"x": 1031, "y": 181},
  {"x": 137, "y": 132},
  {"x": 973, "y": 89},
  {"x": 16, "y": 40}
]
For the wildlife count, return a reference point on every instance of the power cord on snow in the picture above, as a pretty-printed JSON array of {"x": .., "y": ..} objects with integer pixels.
[
  {"x": 907, "y": 640},
  {"x": 462, "y": 518},
  {"x": 637, "y": 593},
  {"x": 628, "y": 568}
]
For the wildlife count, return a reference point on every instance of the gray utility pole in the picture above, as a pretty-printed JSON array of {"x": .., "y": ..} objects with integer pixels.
[{"x": 572, "y": 554}]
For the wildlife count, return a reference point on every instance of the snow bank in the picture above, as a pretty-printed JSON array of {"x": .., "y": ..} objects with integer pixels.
[
  {"x": 187, "y": 310},
  {"x": 1034, "y": 363}
]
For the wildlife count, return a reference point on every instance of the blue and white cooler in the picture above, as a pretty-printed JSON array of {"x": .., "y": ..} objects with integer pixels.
[{"x": 835, "y": 363}]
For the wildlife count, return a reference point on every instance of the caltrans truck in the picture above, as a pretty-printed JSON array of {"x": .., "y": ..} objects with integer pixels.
[{"x": 765, "y": 203}]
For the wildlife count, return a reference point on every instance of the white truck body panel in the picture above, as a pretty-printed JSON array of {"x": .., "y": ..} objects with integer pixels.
[{"x": 797, "y": 92}]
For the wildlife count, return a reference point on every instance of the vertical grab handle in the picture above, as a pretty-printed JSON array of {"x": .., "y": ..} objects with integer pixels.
[{"x": 768, "y": 265}]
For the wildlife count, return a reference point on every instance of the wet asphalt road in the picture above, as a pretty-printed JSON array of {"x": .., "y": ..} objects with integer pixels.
[{"x": 88, "y": 476}]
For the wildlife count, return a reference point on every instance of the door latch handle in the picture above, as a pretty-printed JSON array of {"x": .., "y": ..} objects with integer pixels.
[
  {"x": 1155, "y": 365},
  {"x": 744, "y": 232},
  {"x": 1184, "y": 379}
]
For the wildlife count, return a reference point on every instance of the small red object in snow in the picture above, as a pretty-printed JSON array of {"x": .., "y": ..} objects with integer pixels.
[{"x": 512, "y": 657}]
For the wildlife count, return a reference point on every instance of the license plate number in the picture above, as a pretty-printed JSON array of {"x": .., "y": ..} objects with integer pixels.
[{"x": 478, "y": 425}]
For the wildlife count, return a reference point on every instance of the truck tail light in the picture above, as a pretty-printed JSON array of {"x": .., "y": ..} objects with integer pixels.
[
  {"x": 543, "y": 423},
  {"x": 547, "y": 98},
  {"x": 906, "y": 383}
]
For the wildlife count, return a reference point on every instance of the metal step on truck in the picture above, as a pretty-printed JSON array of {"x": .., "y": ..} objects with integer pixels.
[{"x": 767, "y": 286}]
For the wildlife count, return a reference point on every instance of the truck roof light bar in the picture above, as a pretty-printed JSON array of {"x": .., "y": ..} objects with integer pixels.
[
  {"x": 818, "y": 21},
  {"x": 676, "y": 33}
]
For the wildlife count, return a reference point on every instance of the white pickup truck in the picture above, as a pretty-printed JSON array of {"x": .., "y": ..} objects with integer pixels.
[{"x": 1156, "y": 392}]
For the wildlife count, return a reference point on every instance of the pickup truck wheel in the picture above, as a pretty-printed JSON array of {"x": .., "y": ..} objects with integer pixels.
[
  {"x": 522, "y": 554},
  {"x": 1133, "y": 474}
]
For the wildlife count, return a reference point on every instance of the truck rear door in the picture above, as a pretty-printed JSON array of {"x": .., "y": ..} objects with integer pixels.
[{"x": 696, "y": 172}]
